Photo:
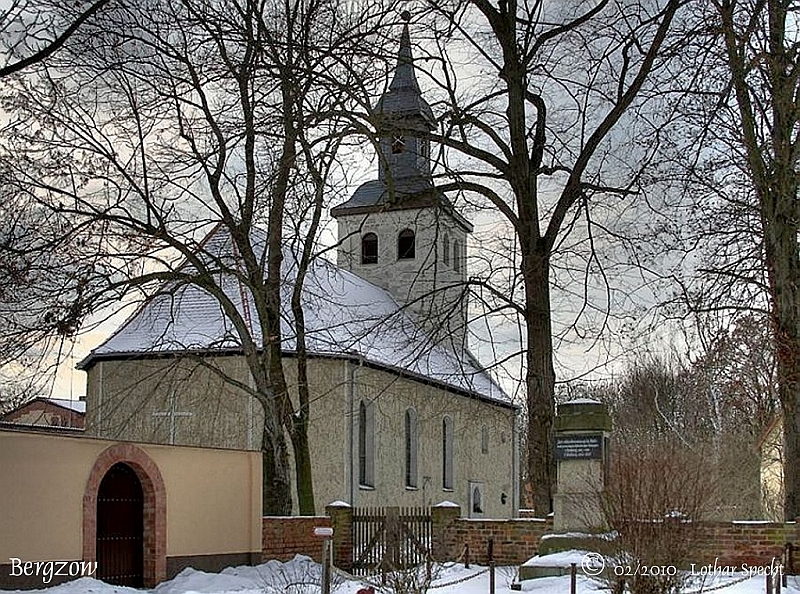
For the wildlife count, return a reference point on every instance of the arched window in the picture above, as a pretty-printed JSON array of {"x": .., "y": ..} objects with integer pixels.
[
  {"x": 411, "y": 448},
  {"x": 405, "y": 245},
  {"x": 446, "y": 250},
  {"x": 366, "y": 445},
  {"x": 447, "y": 453},
  {"x": 398, "y": 144},
  {"x": 369, "y": 249},
  {"x": 477, "y": 503},
  {"x": 456, "y": 255}
]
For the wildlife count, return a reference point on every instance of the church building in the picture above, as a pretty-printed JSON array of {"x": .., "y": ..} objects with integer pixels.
[{"x": 402, "y": 413}]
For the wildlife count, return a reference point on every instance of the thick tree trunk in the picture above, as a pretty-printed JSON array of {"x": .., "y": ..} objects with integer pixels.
[
  {"x": 540, "y": 378},
  {"x": 298, "y": 423},
  {"x": 277, "y": 487},
  {"x": 772, "y": 167},
  {"x": 781, "y": 220},
  {"x": 791, "y": 472},
  {"x": 288, "y": 421},
  {"x": 302, "y": 464},
  {"x": 783, "y": 265}
]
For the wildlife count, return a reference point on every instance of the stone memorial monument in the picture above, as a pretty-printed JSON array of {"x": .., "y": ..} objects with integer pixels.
[{"x": 582, "y": 433}]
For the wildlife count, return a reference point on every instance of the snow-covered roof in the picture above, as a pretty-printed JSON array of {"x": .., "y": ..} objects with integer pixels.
[
  {"x": 345, "y": 316},
  {"x": 582, "y": 401},
  {"x": 78, "y": 406},
  {"x": 75, "y": 405}
]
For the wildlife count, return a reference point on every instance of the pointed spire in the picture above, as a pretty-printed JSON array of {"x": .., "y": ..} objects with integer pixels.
[
  {"x": 404, "y": 76},
  {"x": 404, "y": 95}
]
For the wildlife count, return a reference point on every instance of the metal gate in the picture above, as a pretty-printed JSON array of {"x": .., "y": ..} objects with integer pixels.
[
  {"x": 389, "y": 538},
  {"x": 120, "y": 528}
]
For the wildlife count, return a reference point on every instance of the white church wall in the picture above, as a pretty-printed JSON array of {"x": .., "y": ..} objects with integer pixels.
[
  {"x": 491, "y": 467},
  {"x": 173, "y": 400},
  {"x": 124, "y": 397}
]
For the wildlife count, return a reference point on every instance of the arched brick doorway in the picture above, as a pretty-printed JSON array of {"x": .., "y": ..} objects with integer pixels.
[
  {"x": 130, "y": 462},
  {"x": 120, "y": 527}
]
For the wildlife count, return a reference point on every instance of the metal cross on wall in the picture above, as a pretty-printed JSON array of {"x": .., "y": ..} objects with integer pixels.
[{"x": 172, "y": 414}]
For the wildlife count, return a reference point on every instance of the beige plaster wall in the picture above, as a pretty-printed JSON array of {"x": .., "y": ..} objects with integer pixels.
[
  {"x": 772, "y": 493},
  {"x": 213, "y": 496}
]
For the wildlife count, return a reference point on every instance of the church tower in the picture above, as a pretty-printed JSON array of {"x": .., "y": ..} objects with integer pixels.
[{"x": 398, "y": 231}]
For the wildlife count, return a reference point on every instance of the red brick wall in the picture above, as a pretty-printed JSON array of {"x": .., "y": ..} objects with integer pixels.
[
  {"x": 283, "y": 538},
  {"x": 727, "y": 543},
  {"x": 753, "y": 543},
  {"x": 515, "y": 541}
]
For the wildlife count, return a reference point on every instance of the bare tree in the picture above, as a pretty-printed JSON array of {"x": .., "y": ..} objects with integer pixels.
[
  {"x": 160, "y": 121},
  {"x": 720, "y": 404},
  {"x": 38, "y": 23},
  {"x": 658, "y": 491},
  {"x": 534, "y": 139},
  {"x": 735, "y": 166},
  {"x": 760, "y": 52}
]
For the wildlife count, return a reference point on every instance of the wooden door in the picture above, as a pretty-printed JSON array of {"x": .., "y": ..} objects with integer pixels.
[{"x": 120, "y": 528}]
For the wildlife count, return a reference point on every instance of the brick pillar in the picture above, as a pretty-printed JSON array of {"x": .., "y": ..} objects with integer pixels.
[
  {"x": 792, "y": 547},
  {"x": 442, "y": 516},
  {"x": 341, "y": 515}
]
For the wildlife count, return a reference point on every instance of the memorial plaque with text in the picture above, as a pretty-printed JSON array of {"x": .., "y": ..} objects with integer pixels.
[{"x": 579, "y": 447}]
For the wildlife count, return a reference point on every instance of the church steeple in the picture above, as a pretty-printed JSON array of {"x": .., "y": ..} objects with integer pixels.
[
  {"x": 402, "y": 110},
  {"x": 404, "y": 81},
  {"x": 399, "y": 231}
]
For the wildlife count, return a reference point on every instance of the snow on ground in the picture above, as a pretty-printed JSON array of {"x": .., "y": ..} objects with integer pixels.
[
  {"x": 561, "y": 559},
  {"x": 294, "y": 577}
]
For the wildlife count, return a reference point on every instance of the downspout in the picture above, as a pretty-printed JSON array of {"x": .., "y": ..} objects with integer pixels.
[
  {"x": 515, "y": 464},
  {"x": 251, "y": 383},
  {"x": 351, "y": 371},
  {"x": 97, "y": 430}
]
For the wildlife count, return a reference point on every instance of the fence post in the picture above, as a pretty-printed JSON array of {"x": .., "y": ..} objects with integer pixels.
[
  {"x": 393, "y": 537},
  {"x": 326, "y": 566},
  {"x": 341, "y": 515},
  {"x": 573, "y": 578},
  {"x": 443, "y": 516},
  {"x": 491, "y": 566},
  {"x": 784, "y": 579},
  {"x": 326, "y": 533}
]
